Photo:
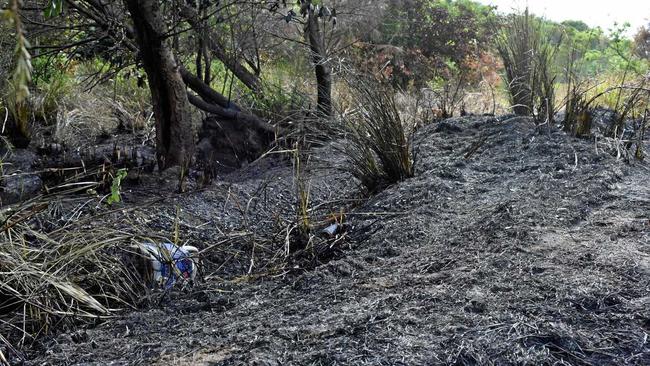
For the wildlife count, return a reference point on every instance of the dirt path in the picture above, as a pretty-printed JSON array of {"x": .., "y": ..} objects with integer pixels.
[{"x": 534, "y": 249}]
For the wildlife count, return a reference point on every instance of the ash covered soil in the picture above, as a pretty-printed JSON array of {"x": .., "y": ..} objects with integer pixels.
[{"x": 507, "y": 247}]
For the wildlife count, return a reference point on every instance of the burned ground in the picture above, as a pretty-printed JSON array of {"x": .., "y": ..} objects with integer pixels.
[{"x": 509, "y": 246}]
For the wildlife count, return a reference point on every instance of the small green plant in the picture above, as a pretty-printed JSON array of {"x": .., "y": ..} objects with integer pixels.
[{"x": 116, "y": 196}]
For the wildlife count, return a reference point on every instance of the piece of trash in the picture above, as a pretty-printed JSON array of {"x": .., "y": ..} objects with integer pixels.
[
  {"x": 170, "y": 262},
  {"x": 332, "y": 229}
]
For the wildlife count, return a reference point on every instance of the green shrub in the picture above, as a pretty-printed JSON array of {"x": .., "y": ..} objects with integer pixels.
[{"x": 46, "y": 68}]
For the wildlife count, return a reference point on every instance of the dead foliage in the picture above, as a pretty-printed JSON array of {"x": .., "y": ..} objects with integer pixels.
[
  {"x": 527, "y": 54},
  {"x": 377, "y": 146}
]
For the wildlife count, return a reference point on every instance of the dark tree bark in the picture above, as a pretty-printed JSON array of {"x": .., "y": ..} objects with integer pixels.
[
  {"x": 213, "y": 102},
  {"x": 204, "y": 90},
  {"x": 174, "y": 130},
  {"x": 207, "y": 76},
  {"x": 322, "y": 69},
  {"x": 199, "y": 57},
  {"x": 246, "y": 120}
]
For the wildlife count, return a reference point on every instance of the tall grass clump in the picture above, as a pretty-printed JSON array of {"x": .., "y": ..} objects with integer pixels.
[
  {"x": 70, "y": 275},
  {"x": 527, "y": 53},
  {"x": 378, "y": 150},
  {"x": 578, "y": 111},
  {"x": 50, "y": 96}
]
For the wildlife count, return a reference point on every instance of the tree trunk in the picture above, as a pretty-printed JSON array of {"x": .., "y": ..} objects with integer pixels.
[
  {"x": 323, "y": 72},
  {"x": 174, "y": 130},
  {"x": 213, "y": 102}
]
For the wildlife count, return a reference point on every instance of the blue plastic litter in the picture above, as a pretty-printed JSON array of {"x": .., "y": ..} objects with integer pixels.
[{"x": 165, "y": 255}]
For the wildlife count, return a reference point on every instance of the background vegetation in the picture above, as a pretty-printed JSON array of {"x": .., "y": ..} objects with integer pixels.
[{"x": 279, "y": 76}]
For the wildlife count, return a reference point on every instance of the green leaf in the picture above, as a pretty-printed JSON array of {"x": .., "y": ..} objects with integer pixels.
[{"x": 116, "y": 196}]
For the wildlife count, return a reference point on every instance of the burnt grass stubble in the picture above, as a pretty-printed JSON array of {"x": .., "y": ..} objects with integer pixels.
[{"x": 507, "y": 247}]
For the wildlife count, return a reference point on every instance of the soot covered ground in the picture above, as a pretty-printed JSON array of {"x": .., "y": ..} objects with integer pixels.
[{"x": 507, "y": 247}]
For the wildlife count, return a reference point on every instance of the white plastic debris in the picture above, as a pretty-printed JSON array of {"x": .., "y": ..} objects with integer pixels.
[{"x": 332, "y": 229}]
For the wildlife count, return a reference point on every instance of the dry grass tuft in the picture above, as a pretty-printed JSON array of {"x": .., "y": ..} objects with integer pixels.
[
  {"x": 64, "y": 274},
  {"x": 528, "y": 54},
  {"x": 377, "y": 147},
  {"x": 578, "y": 112}
]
